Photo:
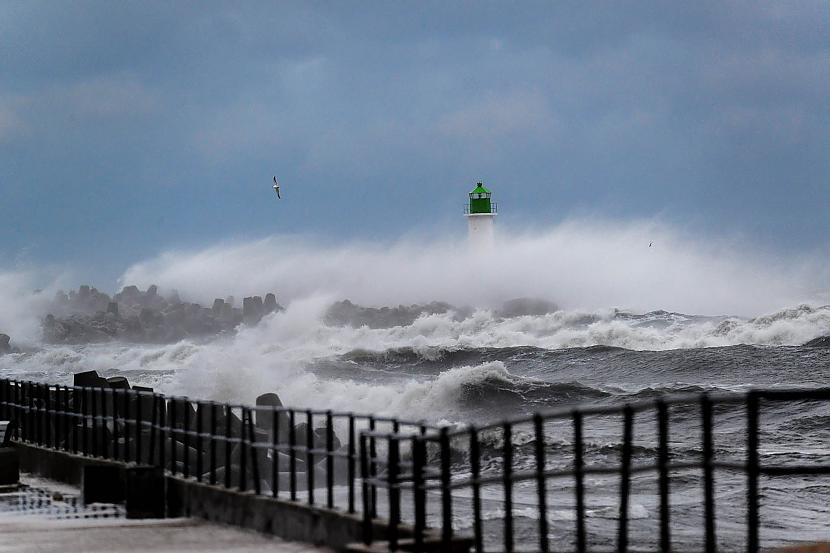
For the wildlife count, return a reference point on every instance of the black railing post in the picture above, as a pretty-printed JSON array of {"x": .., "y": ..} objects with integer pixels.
[
  {"x": 329, "y": 460},
  {"x": 373, "y": 489},
  {"x": 199, "y": 453},
  {"x": 752, "y": 471},
  {"x": 507, "y": 483},
  {"x": 254, "y": 456},
  {"x": 139, "y": 424},
  {"x": 30, "y": 414},
  {"x": 67, "y": 419},
  {"x": 625, "y": 478},
  {"x": 663, "y": 467},
  {"x": 186, "y": 406},
  {"x": 213, "y": 431},
  {"x": 19, "y": 430},
  {"x": 446, "y": 491},
  {"x": 4, "y": 399},
  {"x": 228, "y": 434},
  {"x": 579, "y": 481},
  {"x": 541, "y": 485},
  {"x": 18, "y": 411},
  {"x": 163, "y": 431},
  {"x": 309, "y": 463},
  {"x": 34, "y": 428},
  {"x": 393, "y": 468},
  {"x": 52, "y": 421},
  {"x": 364, "y": 474},
  {"x": 94, "y": 408},
  {"x": 77, "y": 401},
  {"x": 34, "y": 414},
  {"x": 51, "y": 411},
  {"x": 419, "y": 490},
  {"x": 351, "y": 463},
  {"x": 173, "y": 424},
  {"x": 21, "y": 433},
  {"x": 708, "y": 474},
  {"x": 292, "y": 460},
  {"x": 243, "y": 452},
  {"x": 475, "y": 474},
  {"x": 275, "y": 454},
  {"x": 7, "y": 399},
  {"x": 125, "y": 424},
  {"x": 47, "y": 415},
  {"x": 116, "y": 450},
  {"x": 154, "y": 420},
  {"x": 105, "y": 445}
]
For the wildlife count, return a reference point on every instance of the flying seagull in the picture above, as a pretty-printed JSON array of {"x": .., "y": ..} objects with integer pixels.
[
  {"x": 649, "y": 244},
  {"x": 277, "y": 188}
]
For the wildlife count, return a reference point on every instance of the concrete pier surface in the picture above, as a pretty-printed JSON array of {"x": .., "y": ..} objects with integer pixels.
[{"x": 25, "y": 534}]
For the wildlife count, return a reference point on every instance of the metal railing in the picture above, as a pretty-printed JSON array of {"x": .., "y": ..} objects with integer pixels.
[
  {"x": 267, "y": 450},
  {"x": 445, "y": 469},
  {"x": 494, "y": 209}
]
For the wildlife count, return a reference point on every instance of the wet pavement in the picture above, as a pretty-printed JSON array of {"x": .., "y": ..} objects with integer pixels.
[{"x": 43, "y": 516}]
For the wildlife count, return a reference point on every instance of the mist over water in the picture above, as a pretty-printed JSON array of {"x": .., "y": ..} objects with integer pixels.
[{"x": 577, "y": 264}]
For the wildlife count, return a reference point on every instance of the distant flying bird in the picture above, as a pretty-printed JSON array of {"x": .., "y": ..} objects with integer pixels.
[
  {"x": 277, "y": 188},
  {"x": 649, "y": 244}
]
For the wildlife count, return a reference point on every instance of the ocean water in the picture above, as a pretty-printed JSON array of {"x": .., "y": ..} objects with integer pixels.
[{"x": 477, "y": 366}]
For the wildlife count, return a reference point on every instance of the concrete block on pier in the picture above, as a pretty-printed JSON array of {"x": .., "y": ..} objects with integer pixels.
[
  {"x": 89, "y": 379},
  {"x": 119, "y": 382},
  {"x": 9, "y": 466},
  {"x": 103, "y": 484},
  {"x": 146, "y": 492}
]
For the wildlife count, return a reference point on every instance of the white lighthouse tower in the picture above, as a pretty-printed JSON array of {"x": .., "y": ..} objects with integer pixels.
[{"x": 481, "y": 214}]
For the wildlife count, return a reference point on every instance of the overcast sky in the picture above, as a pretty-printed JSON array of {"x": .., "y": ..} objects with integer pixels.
[{"x": 128, "y": 128}]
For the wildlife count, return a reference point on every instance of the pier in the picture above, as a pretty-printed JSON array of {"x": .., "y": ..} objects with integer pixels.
[{"x": 357, "y": 482}]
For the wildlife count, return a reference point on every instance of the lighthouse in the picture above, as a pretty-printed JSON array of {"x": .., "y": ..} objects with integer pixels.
[{"x": 480, "y": 212}]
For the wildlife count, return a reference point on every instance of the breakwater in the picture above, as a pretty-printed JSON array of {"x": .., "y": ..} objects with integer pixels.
[{"x": 351, "y": 480}]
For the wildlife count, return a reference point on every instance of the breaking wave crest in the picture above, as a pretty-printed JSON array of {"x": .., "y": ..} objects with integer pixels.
[
  {"x": 438, "y": 366},
  {"x": 441, "y": 337}
]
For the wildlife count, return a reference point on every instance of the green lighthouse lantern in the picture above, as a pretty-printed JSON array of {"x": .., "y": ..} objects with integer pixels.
[
  {"x": 481, "y": 211},
  {"x": 480, "y": 200}
]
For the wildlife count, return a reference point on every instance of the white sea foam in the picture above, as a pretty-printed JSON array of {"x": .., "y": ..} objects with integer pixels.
[{"x": 275, "y": 354}]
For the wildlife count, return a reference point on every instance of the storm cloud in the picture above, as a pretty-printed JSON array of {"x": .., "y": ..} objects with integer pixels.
[{"x": 126, "y": 129}]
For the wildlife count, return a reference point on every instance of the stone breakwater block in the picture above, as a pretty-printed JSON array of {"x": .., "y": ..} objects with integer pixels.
[
  {"x": 146, "y": 492},
  {"x": 118, "y": 382},
  {"x": 89, "y": 379},
  {"x": 5, "y": 346},
  {"x": 9, "y": 466},
  {"x": 103, "y": 484}
]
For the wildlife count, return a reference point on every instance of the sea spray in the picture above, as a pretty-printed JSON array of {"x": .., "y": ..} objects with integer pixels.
[{"x": 578, "y": 264}]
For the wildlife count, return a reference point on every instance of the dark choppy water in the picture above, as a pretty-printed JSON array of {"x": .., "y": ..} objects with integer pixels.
[{"x": 515, "y": 381}]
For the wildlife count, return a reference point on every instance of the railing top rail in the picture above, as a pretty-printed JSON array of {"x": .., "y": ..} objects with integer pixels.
[
  {"x": 236, "y": 405},
  {"x": 721, "y": 398}
]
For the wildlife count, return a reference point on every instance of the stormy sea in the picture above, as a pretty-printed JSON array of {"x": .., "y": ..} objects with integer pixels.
[{"x": 449, "y": 337}]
